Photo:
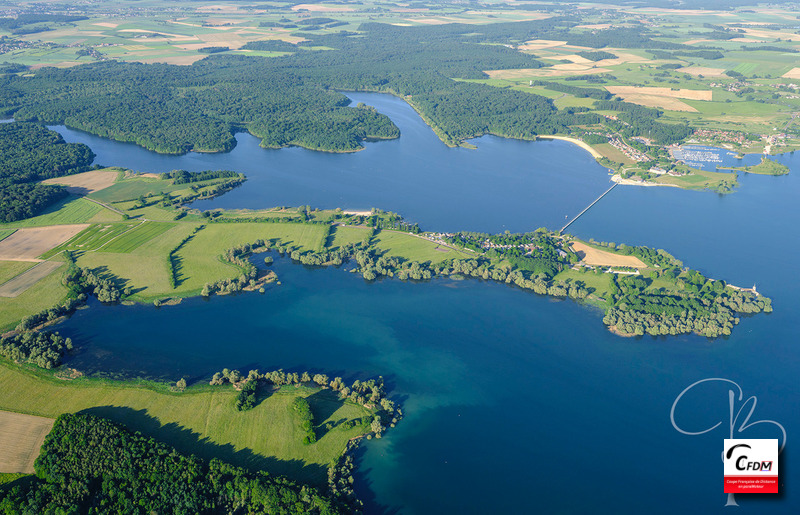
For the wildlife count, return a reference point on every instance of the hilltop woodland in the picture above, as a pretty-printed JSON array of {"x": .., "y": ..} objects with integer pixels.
[
  {"x": 30, "y": 153},
  {"x": 90, "y": 465},
  {"x": 290, "y": 100}
]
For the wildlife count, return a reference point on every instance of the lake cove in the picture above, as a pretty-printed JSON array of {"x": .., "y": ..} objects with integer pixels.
[{"x": 514, "y": 402}]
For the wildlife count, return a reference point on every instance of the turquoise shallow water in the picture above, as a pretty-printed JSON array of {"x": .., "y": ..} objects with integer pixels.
[{"x": 515, "y": 402}]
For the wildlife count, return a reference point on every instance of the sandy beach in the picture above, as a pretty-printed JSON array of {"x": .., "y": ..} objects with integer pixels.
[{"x": 578, "y": 142}]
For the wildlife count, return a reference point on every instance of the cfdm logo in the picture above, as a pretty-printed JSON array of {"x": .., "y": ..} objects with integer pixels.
[{"x": 751, "y": 466}]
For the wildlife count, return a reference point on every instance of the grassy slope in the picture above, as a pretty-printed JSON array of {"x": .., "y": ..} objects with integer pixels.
[
  {"x": 72, "y": 210},
  {"x": 202, "y": 422},
  {"x": 43, "y": 295}
]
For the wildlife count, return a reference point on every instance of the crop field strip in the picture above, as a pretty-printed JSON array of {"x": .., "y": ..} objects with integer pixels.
[
  {"x": 93, "y": 238},
  {"x": 11, "y": 269},
  {"x": 21, "y": 283},
  {"x": 136, "y": 237}
]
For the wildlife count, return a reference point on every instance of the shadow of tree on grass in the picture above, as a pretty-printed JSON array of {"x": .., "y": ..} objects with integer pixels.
[{"x": 186, "y": 441}]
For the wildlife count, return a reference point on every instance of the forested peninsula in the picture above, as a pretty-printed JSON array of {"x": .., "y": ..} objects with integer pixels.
[{"x": 175, "y": 109}]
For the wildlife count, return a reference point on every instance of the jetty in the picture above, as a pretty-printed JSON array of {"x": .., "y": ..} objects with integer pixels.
[{"x": 588, "y": 207}]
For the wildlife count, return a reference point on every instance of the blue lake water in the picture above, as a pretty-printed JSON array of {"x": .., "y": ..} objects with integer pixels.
[
  {"x": 506, "y": 184},
  {"x": 515, "y": 403}
]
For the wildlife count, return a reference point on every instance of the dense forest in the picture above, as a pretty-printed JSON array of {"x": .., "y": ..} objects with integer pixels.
[
  {"x": 290, "y": 100},
  {"x": 90, "y": 465},
  {"x": 30, "y": 153}
]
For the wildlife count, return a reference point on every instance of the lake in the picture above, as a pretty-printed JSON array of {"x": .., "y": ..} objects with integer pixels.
[{"x": 514, "y": 402}]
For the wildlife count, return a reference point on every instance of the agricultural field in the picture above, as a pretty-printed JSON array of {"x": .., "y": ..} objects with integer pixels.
[
  {"x": 11, "y": 269},
  {"x": 145, "y": 268},
  {"x": 29, "y": 243},
  {"x": 201, "y": 421},
  {"x": 137, "y": 236},
  {"x": 593, "y": 256},
  {"x": 199, "y": 258},
  {"x": 93, "y": 238},
  {"x": 21, "y": 437},
  {"x": 87, "y": 182},
  {"x": 72, "y": 210},
  {"x": 21, "y": 283}
]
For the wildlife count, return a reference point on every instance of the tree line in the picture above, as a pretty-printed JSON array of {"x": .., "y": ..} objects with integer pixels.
[
  {"x": 31, "y": 153},
  {"x": 91, "y": 465}
]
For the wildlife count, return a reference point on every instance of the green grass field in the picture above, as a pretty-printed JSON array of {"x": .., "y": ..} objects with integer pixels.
[
  {"x": 200, "y": 262},
  {"x": 43, "y": 295},
  {"x": 92, "y": 238},
  {"x": 72, "y": 210},
  {"x": 202, "y": 421},
  {"x": 414, "y": 248},
  {"x": 139, "y": 258},
  {"x": 345, "y": 235},
  {"x": 598, "y": 283},
  {"x": 144, "y": 268},
  {"x": 699, "y": 179},
  {"x": 11, "y": 269},
  {"x": 132, "y": 188},
  {"x": 137, "y": 236}
]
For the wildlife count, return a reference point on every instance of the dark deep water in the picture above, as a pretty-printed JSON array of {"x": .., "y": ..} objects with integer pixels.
[{"x": 515, "y": 403}]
